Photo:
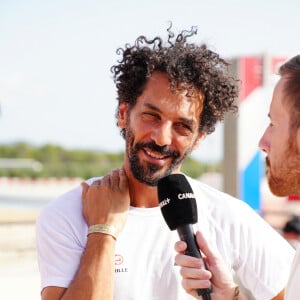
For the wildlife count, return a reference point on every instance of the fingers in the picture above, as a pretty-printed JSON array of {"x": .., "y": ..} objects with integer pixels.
[
  {"x": 188, "y": 261},
  {"x": 180, "y": 246},
  {"x": 106, "y": 180},
  {"x": 116, "y": 179},
  {"x": 193, "y": 273},
  {"x": 190, "y": 284},
  {"x": 107, "y": 200},
  {"x": 123, "y": 179}
]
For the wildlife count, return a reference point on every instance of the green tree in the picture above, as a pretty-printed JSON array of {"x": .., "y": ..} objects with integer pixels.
[{"x": 60, "y": 162}]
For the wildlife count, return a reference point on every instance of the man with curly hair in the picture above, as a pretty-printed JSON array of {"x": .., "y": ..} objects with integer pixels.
[{"x": 107, "y": 239}]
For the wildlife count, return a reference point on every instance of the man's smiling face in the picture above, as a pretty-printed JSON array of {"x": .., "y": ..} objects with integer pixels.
[{"x": 161, "y": 129}]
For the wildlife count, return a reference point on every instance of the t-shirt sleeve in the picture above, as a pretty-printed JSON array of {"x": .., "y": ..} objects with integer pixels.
[{"x": 58, "y": 243}]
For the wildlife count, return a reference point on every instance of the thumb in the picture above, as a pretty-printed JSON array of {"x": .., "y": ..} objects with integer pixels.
[
  {"x": 207, "y": 250},
  {"x": 85, "y": 188}
]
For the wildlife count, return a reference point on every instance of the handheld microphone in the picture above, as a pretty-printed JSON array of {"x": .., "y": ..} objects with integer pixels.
[{"x": 179, "y": 209}]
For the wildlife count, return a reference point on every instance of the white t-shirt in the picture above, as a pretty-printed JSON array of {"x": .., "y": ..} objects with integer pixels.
[
  {"x": 144, "y": 256},
  {"x": 293, "y": 288}
]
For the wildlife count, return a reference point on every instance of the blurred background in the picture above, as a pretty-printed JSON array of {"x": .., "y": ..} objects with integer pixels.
[{"x": 58, "y": 100}]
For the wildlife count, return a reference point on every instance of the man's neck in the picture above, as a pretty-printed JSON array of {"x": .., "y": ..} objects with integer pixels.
[{"x": 142, "y": 195}]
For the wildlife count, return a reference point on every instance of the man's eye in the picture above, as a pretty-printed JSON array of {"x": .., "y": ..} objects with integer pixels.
[
  {"x": 150, "y": 116},
  {"x": 183, "y": 129}
]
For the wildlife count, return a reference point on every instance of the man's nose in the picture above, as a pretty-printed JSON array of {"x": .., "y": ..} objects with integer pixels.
[
  {"x": 263, "y": 143},
  {"x": 162, "y": 135}
]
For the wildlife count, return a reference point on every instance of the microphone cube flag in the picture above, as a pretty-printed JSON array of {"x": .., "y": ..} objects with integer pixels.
[{"x": 177, "y": 201}]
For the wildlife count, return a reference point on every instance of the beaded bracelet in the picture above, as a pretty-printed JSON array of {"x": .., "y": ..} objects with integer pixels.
[{"x": 104, "y": 228}]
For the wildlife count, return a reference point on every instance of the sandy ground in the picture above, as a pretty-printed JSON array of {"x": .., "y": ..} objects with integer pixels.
[{"x": 19, "y": 276}]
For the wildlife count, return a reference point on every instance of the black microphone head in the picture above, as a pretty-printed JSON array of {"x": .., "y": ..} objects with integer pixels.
[{"x": 177, "y": 201}]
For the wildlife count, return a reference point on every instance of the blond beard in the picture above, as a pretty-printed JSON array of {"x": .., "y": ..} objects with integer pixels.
[{"x": 284, "y": 179}]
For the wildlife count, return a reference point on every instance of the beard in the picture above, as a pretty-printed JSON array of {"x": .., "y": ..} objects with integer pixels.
[
  {"x": 284, "y": 176},
  {"x": 149, "y": 173}
]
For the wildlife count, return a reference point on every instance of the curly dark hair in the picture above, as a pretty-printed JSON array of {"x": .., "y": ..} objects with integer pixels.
[{"x": 184, "y": 63}]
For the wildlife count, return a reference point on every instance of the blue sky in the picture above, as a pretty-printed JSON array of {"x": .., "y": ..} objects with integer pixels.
[{"x": 55, "y": 59}]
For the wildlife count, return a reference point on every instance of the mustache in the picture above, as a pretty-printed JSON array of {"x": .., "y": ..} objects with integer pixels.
[{"x": 164, "y": 150}]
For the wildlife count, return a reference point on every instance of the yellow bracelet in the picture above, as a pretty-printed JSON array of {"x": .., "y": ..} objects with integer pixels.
[
  {"x": 236, "y": 293},
  {"x": 104, "y": 228}
]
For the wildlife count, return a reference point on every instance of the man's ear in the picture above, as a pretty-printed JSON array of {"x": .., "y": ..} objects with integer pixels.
[
  {"x": 122, "y": 115},
  {"x": 200, "y": 138}
]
